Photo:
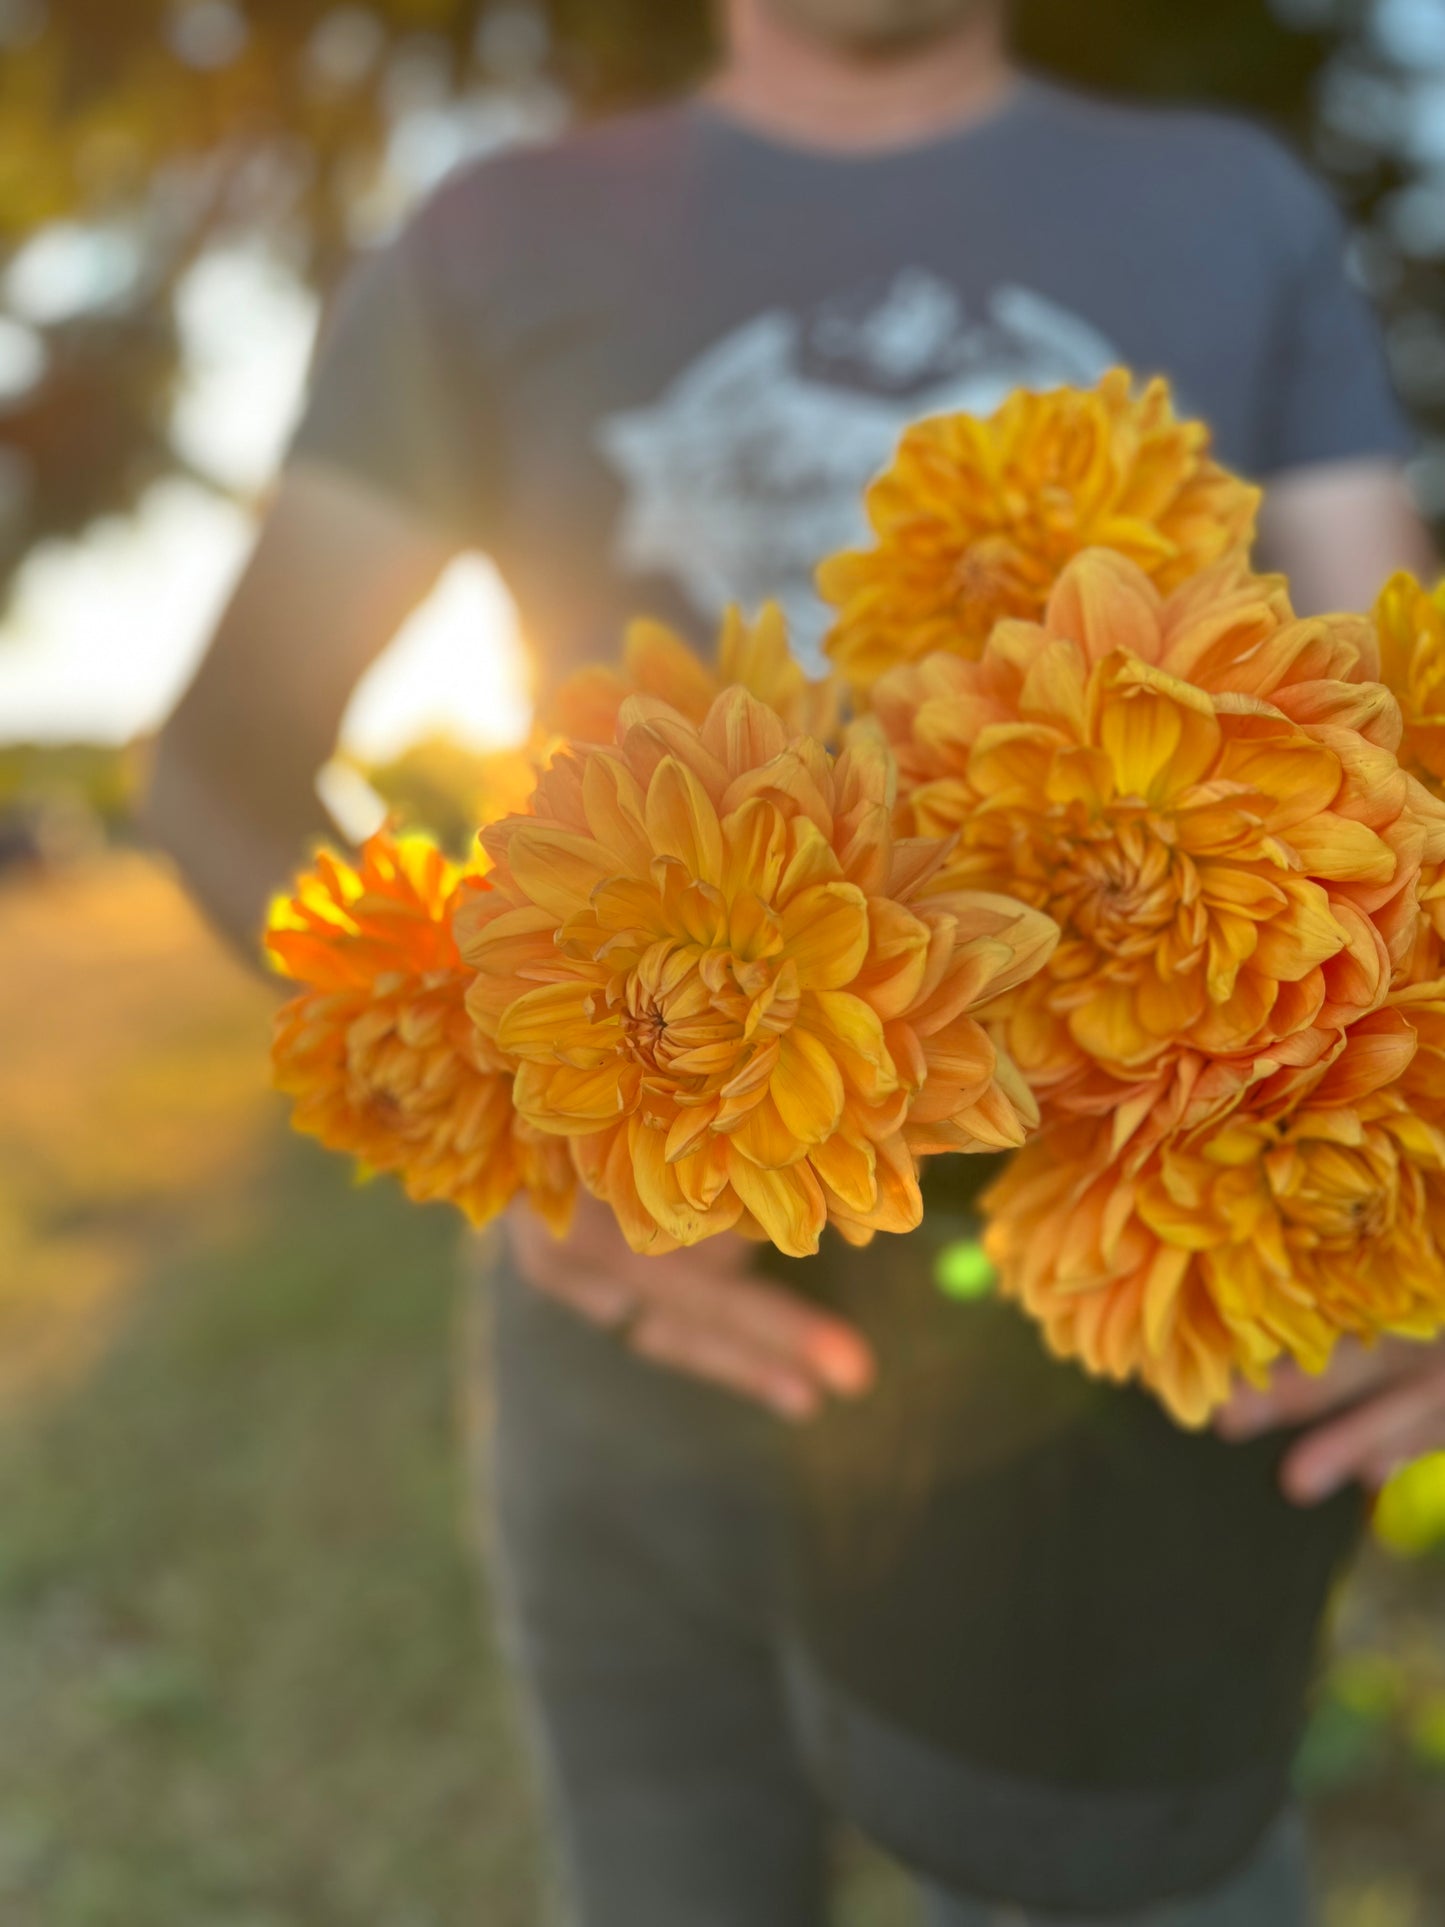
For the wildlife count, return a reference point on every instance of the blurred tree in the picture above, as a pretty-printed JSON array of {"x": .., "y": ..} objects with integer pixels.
[
  {"x": 133, "y": 136},
  {"x": 1379, "y": 131}
]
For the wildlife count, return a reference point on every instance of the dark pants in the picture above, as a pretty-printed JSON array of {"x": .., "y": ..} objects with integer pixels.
[{"x": 636, "y": 1574}]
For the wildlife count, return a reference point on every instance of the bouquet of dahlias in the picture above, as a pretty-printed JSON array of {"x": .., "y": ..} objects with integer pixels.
[{"x": 1090, "y": 849}]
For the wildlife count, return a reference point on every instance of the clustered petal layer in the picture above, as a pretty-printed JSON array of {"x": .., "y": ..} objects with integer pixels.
[
  {"x": 1303, "y": 1216},
  {"x": 1286, "y": 1187},
  {"x": 658, "y": 662},
  {"x": 715, "y": 967},
  {"x": 977, "y": 518},
  {"x": 1410, "y": 620},
  {"x": 378, "y": 1053},
  {"x": 1203, "y": 792}
]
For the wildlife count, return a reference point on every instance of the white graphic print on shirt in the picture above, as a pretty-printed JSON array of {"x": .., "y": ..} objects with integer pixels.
[{"x": 751, "y": 466}]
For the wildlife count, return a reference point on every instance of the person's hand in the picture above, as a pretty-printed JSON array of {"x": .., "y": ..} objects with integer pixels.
[
  {"x": 696, "y": 1311},
  {"x": 1372, "y": 1412}
]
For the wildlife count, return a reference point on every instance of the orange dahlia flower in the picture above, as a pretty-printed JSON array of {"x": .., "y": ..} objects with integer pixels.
[
  {"x": 1411, "y": 624},
  {"x": 658, "y": 662},
  {"x": 977, "y": 519},
  {"x": 1204, "y": 794},
  {"x": 1272, "y": 1232},
  {"x": 714, "y": 965},
  {"x": 378, "y": 1053}
]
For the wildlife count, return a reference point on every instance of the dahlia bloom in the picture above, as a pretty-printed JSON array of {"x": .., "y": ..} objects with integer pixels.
[
  {"x": 977, "y": 519},
  {"x": 1411, "y": 624},
  {"x": 715, "y": 967},
  {"x": 1274, "y": 1231},
  {"x": 658, "y": 662},
  {"x": 378, "y": 1053},
  {"x": 1203, "y": 792}
]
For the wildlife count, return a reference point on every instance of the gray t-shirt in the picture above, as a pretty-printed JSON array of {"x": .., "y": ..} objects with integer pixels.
[{"x": 651, "y": 368}]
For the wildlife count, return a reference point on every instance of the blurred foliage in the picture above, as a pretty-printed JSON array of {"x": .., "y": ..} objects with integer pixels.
[
  {"x": 1373, "y": 1767},
  {"x": 64, "y": 801},
  {"x": 100, "y": 780},
  {"x": 1410, "y": 1518},
  {"x": 441, "y": 786}
]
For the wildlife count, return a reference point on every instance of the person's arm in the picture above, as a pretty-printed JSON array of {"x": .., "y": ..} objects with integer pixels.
[
  {"x": 1339, "y": 530},
  {"x": 1330, "y": 437},
  {"x": 393, "y": 468},
  {"x": 232, "y": 799}
]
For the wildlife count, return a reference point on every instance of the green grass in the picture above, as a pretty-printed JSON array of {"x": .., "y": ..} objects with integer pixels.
[{"x": 246, "y": 1678}]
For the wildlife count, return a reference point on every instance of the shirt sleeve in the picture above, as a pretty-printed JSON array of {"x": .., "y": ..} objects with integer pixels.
[
  {"x": 1329, "y": 396},
  {"x": 397, "y": 399}
]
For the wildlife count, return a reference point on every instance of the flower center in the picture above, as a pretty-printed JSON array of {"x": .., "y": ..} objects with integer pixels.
[
  {"x": 1343, "y": 1197},
  {"x": 385, "y": 1107},
  {"x": 385, "y": 1074},
  {"x": 997, "y": 573},
  {"x": 1122, "y": 883},
  {"x": 644, "y": 1028},
  {"x": 692, "y": 1015}
]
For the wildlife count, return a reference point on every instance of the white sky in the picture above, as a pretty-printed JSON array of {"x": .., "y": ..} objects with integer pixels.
[{"x": 105, "y": 631}]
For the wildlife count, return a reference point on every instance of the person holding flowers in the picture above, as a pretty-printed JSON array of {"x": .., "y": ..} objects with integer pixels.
[{"x": 1118, "y": 848}]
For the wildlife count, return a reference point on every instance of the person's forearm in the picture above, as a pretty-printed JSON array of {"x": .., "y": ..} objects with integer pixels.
[
  {"x": 232, "y": 860},
  {"x": 1338, "y": 532},
  {"x": 336, "y": 571}
]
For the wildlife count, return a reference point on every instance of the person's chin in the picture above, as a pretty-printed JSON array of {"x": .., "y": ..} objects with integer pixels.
[{"x": 876, "y": 32}]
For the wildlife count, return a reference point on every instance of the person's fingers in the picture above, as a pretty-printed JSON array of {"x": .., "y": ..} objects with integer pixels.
[
  {"x": 697, "y": 1309},
  {"x": 725, "y": 1254},
  {"x": 597, "y": 1295},
  {"x": 1294, "y": 1397},
  {"x": 1370, "y": 1442},
  {"x": 772, "y": 1319},
  {"x": 530, "y": 1243},
  {"x": 720, "y": 1358},
  {"x": 717, "y": 1258}
]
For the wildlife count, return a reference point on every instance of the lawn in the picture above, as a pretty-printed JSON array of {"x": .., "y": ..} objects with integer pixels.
[
  {"x": 246, "y": 1672},
  {"x": 246, "y": 1679}
]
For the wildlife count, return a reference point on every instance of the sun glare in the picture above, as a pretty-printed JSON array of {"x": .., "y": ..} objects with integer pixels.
[{"x": 456, "y": 668}]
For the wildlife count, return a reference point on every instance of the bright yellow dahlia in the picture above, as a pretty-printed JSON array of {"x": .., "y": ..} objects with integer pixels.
[
  {"x": 1203, "y": 792},
  {"x": 977, "y": 519},
  {"x": 378, "y": 1052},
  {"x": 714, "y": 965},
  {"x": 1272, "y": 1232},
  {"x": 658, "y": 662},
  {"x": 1411, "y": 624}
]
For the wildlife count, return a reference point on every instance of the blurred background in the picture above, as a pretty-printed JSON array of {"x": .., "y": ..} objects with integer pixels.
[{"x": 245, "y": 1677}]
